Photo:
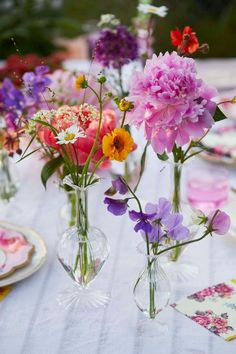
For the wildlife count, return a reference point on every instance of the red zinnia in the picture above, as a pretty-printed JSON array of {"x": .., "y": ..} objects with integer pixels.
[{"x": 186, "y": 41}]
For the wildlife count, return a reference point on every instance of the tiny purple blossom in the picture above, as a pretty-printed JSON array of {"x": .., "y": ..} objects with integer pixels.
[
  {"x": 116, "y": 206},
  {"x": 119, "y": 186},
  {"x": 144, "y": 221},
  {"x": 219, "y": 222}
]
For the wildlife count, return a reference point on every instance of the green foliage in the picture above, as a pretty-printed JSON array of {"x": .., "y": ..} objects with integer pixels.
[
  {"x": 219, "y": 115},
  {"x": 32, "y": 25},
  {"x": 50, "y": 168}
]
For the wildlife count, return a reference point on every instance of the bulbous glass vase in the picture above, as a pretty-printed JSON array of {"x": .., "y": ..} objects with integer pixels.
[
  {"x": 176, "y": 263},
  {"x": 152, "y": 288},
  {"x": 82, "y": 251},
  {"x": 8, "y": 187}
]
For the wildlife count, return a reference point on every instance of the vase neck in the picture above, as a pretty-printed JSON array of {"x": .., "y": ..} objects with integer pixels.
[
  {"x": 81, "y": 210},
  {"x": 176, "y": 174}
]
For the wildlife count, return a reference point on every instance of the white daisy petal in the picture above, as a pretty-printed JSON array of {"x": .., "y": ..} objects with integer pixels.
[{"x": 149, "y": 9}]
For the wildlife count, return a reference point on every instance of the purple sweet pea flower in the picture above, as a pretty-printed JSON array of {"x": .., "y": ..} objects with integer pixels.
[
  {"x": 36, "y": 83},
  {"x": 162, "y": 209},
  {"x": 144, "y": 221},
  {"x": 119, "y": 186},
  {"x": 219, "y": 222},
  {"x": 174, "y": 227},
  {"x": 116, "y": 206},
  {"x": 156, "y": 234}
]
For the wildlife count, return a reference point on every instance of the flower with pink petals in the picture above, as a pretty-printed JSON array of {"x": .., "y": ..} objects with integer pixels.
[
  {"x": 219, "y": 222},
  {"x": 172, "y": 104}
]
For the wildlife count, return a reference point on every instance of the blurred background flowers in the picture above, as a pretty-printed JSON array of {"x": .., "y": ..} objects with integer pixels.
[{"x": 61, "y": 23}]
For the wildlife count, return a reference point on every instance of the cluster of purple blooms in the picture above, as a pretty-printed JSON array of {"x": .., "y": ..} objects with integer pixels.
[
  {"x": 12, "y": 103},
  {"x": 15, "y": 102},
  {"x": 116, "y": 47},
  {"x": 157, "y": 221}
]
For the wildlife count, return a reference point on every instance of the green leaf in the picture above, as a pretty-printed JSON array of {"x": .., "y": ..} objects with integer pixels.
[
  {"x": 219, "y": 115},
  {"x": 50, "y": 168},
  {"x": 142, "y": 165},
  {"x": 163, "y": 157}
]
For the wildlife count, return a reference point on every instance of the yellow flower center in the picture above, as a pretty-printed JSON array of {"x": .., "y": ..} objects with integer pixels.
[{"x": 69, "y": 136}]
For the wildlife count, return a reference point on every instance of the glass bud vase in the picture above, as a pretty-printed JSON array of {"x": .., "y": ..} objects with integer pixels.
[
  {"x": 8, "y": 188},
  {"x": 178, "y": 268},
  {"x": 152, "y": 288},
  {"x": 82, "y": 251}
]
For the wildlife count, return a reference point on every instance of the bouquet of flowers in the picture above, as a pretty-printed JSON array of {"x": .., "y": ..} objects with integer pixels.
[{"x": 159, "y": 226}]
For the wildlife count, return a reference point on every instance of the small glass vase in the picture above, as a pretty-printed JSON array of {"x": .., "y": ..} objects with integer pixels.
[
  {"x": 177, "y": 268},
  {"x": 82, "y": 251},
  {"x": 8, "y": 188},
  {"x": 152, "y": 288}
]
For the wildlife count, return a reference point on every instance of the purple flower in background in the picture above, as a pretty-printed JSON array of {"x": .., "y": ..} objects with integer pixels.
[
  {"x": 36, "y": 83},
  {"x": 174, "y": 227},
  {"x": 119, "y": 186},
  {"x": 143, "y": 221},
  {"x": 116, "y": 47},
  {"x": 220, "y": 222},
  {"x": 11, "y": 99},
  {"x": 116, "y": 206},
  {"x": 11, "y": 120}
]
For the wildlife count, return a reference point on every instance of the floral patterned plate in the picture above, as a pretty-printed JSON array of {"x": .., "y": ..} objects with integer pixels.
[{"x": 38, "y": 257}]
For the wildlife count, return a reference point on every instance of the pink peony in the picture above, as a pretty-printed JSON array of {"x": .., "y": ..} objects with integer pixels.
[
  {"x": 172, "y": 104},
  {"x": 220, "y": 222}
]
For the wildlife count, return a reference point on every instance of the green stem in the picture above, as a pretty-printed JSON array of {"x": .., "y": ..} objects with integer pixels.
[{"x": 94, "y": 147}]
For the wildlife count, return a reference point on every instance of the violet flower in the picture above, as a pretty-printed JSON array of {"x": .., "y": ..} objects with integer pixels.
[
  {"x": 162, "y": 209},
  {"x": 174, "y": 227},
  {"x": 220, "y": 222},
  {"x": 143, "y": 221},
  {"x": 36, "y": 83},
  {"x": 116, "y": 47},
  {"x": 119, "y": 186},
  {"x": 116, "y": 206},
  {"x": 11, "y": 99}
]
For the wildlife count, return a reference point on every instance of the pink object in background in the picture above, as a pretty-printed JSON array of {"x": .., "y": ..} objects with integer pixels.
[{"x": 207, "y": 187}]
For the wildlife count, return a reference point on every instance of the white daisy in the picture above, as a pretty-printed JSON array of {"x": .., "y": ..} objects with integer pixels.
[
  {"x": 70, "y": 135},
  {"x": 149, "y": 9}
]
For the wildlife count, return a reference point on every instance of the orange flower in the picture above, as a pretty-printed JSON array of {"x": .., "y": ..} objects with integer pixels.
[
  {"x": 186, "y": 41},
  {"x": 117, "y": 145}
]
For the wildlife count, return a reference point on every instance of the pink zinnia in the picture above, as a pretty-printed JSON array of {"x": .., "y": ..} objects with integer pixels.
[{"x": 171, "y": 102}]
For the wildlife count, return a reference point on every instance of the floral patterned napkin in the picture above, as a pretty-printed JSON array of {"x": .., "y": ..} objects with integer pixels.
[{"x": 214, "y": 308}]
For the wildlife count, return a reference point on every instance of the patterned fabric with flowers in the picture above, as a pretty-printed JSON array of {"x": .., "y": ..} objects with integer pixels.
[
  {"x": 213, "y": 308},
  {"x": 214, "y": 323},
  {"x": 220, "y": 290}
]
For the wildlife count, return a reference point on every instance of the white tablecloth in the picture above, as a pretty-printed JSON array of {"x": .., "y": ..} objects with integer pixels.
[{"x": 31, "y": 321}]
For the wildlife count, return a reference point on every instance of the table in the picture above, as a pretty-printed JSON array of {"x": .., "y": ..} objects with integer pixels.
[{"x": 31, "y": 321}]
